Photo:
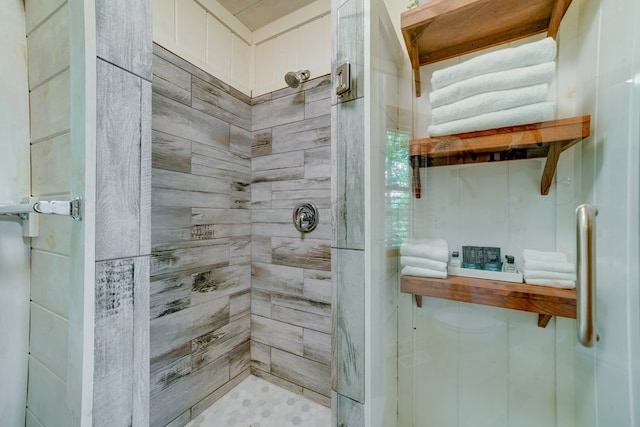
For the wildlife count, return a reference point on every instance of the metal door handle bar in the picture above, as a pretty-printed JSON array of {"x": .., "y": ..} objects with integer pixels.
[
  {"x": 586, "y": 283},
  {"x": 70, "y": 208}
]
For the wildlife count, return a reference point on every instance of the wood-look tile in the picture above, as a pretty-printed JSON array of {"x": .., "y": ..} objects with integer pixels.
[
  {"x": 305, "y": 134},
  {"x": 277, "y": 334},
  {"x": 317, "y": 101},
  {"x": 240, "y": 305},
  {"x": 261, "y": 142},
  {"x": 305, "y": 372},
  {"x": 205, "y": 403},
  {"x": 187, "y": 391},
  {"x": 301, "y": 318},
  {"x": 260, "y": 303},
  {"x": 170, "y": 295},
  {"x": 220, "y": 216},
  {"x": 278, "y": 381},
  {"x": 218, "y": 283},
  {"x": 179, "y": 198},
  {"x": 170, "y": 217},
  {"x": 317, "y": 397},
  {"x": 124, "y": 35},
  {"x": 220, "y": 342},
  {"x": 219, "y": 163},
  {"x": 174, "y": 330},
  {"x": 277, "y": 278},
  {"x": 218, "y": 103},
  {"x": 317, "y": 346},
  {"x": 240, "y": 359},
  {"x": 260, "y": 249},
  {"x": 278, "y": 167},
  {"x": 215, "y": 253},
  {"x": 187, "y": 182},
  {"x": 177, "y": 119},
  {"x": 307, "y": 253},
  {"x": 277, "y": 112},
  {"x": 240, "y": 195},
  {"x": 240, "y": 251},
  {"x": 317, "y": 163},
  {"x": 260, "y": 356},
  {"x": 170, "y": 152},
  {"x": 261, "y": 195},
  {"x": 113, "y": 357},
  {"x": 145, "y": 172},
  {"x": 171, "y": 81},
  {"x": 320, "y": 197},
  {"x": 302, "y": 304},
  {"x": 240, "y": 143},
  {"x": 118, "y": 163},
  {"x": 317, "y": 285}
]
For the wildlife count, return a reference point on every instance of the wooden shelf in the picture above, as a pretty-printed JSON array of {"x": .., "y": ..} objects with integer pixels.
[
  {"x": 545, "y": 139},
  {"x": 545, "y": 301},
  {"x": 442, "y": 29}
]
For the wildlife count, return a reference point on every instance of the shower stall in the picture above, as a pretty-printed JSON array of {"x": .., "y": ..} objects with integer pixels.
[{"x": 187, "y": 272}]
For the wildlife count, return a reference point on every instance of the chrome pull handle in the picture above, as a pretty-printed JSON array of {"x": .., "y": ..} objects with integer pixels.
[{"x": 586, "y": 283}]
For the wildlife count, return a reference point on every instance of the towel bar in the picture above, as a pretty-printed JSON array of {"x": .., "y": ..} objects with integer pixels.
[{"x": 31, "y": 206}]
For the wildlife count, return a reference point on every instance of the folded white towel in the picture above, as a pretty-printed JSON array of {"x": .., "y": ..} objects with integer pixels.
[
  {"x": 412, "y": 261},
  {"x": 505, "y": 59},
  {"x": 557, "y": 266},
  {"x": 551, "y": 275},
  {"x": 435, "y": 249},
  {"x": 532, "y": 254},
  {"x": 423, "y": 272},
  {"x": 533, "y": 113},
  {"x": 489, "y": 102},
  {"x": 501, "y": 80},
  {"x": 566, "y": 284}
]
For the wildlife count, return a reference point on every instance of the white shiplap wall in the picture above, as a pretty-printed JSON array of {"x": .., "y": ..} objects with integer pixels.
[{"x": 208, "y": 36}]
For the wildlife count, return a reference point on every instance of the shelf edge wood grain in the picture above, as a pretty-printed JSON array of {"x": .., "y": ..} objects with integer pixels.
[
  {"x": 442, "y": 29},
  {"x": 543, "y": 300}
]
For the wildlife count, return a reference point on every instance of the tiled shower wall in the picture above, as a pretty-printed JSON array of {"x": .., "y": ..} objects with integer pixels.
[
  {"x": 201, "y": 236},
  {"x": 291, "y": 271}
]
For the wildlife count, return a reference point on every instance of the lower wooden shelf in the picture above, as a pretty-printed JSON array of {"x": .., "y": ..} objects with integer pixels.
[{"x": 545, "y": 301}]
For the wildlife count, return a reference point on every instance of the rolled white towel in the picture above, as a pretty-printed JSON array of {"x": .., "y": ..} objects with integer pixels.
[
  {"x": 557, "y": 266},
  {"x": 489, "y": 102},
  {"x": 526, "y": 114},
  {"x": 565, "y": 284},
  {"x": 532, "y": 254},
  {"x": 435, "y": 249},
  {"x": 423, "y": 272},
  {"x": 412, "y": 261},
  {"x": 505, "y": 59},
  {"x": 501, "y": 80},
  {"x": 551, "y": 275}
]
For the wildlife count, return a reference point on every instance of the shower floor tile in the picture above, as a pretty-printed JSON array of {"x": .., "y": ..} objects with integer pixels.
[{"x": 257, "y": 403}]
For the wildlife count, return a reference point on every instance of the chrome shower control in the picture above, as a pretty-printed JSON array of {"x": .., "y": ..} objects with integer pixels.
[{"x": 305, "y": 217}]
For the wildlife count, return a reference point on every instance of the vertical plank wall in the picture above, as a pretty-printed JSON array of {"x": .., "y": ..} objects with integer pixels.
[
  {"x": 123, "y": 158},
  {"x": 201, "y": 239},
  {"x": 48, "y": 59}
]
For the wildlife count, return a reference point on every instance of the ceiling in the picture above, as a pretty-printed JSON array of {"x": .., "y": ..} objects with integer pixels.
[{"x": 258, "y": 13}]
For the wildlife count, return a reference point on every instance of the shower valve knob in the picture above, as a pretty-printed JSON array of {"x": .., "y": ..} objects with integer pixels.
[{"x": 305, "y": 217}]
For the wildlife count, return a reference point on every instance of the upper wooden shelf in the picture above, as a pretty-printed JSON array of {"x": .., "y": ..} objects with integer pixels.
[
  {"x": 442, "y": 29},
  {"x": 545, "y": 301},
  {"x": 545, "y": 139}
]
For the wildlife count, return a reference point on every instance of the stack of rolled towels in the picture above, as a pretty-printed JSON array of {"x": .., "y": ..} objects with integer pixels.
[
  {"x": 503, "y": 88},
  {"x": 548, "y": 269},
  {"x": 425, "y": 258}
]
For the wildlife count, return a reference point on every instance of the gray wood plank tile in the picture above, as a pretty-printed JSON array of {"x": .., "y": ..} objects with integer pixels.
[
  {"x": 317, "y": 285},
  {"x": 317, "y": 397},
  {"x": 317, "y": 163},
  {"x": 277, "y": 278},
  {"x": 307, "y": 373},
  {"x": 261, "y": 142},
  {"x": 171, "y": 81},
  {"x": 301, "y": 318},
  {"x": 141, "y": 314},
  {"x": 220, "y": 342},
  {"x": 216, "y": 162},
  {"x": 218, "y": 283},
  {"x": 240, "y": 359},
  {"x": 188, "y": 182},
  {"x": 187, "y": 391},
  {"x": 123, "y": 35},
  {"x": 240, "y": 195},
  {"x": 168, "y": 217},
  {"x": 261, "y": 195},
  {"x": 349, "y": 412},
  {"x": 307, "y": 253},
  {"x": 218, "y": 103},
  {"x": 220, "y": 216},
  {"x": 260, "y": 303},
  {"x": 170, "y": 152},
  {"x": 290, "y": 198},
  {"x": 301, "y": 135},
  {"x": 240, "y": 305},
  {"x": 278, "y": 167},
  {"x": 240, "y": 142},
  {"x": 317, "y": 101},
  {"x": 170, "y": 295},
  {"x": 201, "y": 406},
  {"x": 118, "y": 163},
  {"x": 174, "y": 330},
  {"x": 277, "y": 334},
  {"x": 145, "y": 170},
  {"x": 172, "y": 260},
  {"x": 301, "y": 304},
  {"x": 260, "y": 356},
  {"x": 181, "y": 420},
  {"x": 178, "y": 198},
  {"x": 277, "y": 112},
  {"x": 177, "y": 119},
  {"x": 113, "y": 356},
  {"x": 260, "y": 249},
  {"x": 278, "y": 381},
  {"x": 317, "y": 346},
  {"x": 240, "y": 251}
]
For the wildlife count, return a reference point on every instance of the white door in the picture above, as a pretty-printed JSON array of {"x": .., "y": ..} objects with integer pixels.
[{"x": 14, "y": 185}]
